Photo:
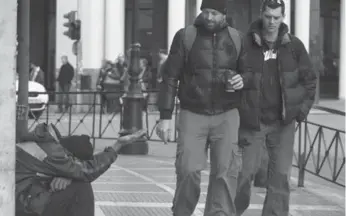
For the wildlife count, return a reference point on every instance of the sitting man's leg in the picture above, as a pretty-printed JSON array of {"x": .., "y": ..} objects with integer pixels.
[{"x": 76, "y": 200}]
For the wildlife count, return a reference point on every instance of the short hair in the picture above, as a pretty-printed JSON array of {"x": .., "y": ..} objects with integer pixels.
[{"x": 273, "y": 4}]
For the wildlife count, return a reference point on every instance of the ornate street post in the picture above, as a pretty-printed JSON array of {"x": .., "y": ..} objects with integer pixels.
[
  {"x": 133, "y": 99},
  {"x": 133, "y": 106}
]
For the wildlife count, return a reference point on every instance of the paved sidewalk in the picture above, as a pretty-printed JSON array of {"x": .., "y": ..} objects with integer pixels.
[{"x": 144, "y": 186}]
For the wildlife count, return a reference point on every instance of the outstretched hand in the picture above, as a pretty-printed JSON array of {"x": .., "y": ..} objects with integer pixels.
[{"x": 131, "y": 138}]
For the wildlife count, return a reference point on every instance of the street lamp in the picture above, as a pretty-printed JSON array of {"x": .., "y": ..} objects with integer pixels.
[
  {"x": 133, "y": 106},
  {"x": 133, "y": 99}
]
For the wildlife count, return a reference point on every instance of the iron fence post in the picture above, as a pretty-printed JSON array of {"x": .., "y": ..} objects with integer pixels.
[
  {"x": 301, "y": 155},
  {"x": 47, "y": 113},
  {"x": 299, "y": 152},
  {"x": 94, "y": 119},
  {"x": 70, "y": 120},
  {"x": 102, "y": 95}
]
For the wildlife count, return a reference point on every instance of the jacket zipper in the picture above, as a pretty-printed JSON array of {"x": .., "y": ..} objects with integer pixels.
[
  {"x": 213, "y": 73},
  {"x": 283, "y": 111}
]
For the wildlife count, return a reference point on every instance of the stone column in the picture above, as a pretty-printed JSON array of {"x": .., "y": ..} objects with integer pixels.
[
  {"x": 8, "y": 52},
  {"x": 342, "y": 60},
  {"x": 176, "y": 18},
  {"x": 288, "y": 13},
  {"x": 93, "y": 13},
  {"x": 114, "y": 28},
  {"x": 302, "y": 21}
]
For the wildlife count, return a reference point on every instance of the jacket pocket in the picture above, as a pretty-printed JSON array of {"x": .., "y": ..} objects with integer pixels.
[{"x": 236, "y": 161}]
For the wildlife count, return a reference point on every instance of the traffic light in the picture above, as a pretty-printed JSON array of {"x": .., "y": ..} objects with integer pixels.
[
  {"x": 70, "y": 16},
  {"x": 76, "y": 30},
  {"x": 73, "y": 25}
]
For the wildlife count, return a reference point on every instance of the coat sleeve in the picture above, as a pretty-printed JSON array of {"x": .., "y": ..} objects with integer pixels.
[
  {"x": 170, "y": 76},
  {"x": 307, "y": 78},
  {"x": 244, "y": 68},
  {"x": 63, "y": 165}
]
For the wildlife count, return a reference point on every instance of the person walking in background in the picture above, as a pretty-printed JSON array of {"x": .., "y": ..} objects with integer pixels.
[
  {"x": 104, "y": 70},
  {"x": 36, "y": 74},
  {"x": 161, "y": 64},
  {"x": 120, "y": 66},
  {"x": 279, "y": 90},
  {"x": 145, "y": 74},
  {"x": 65, "y": 77},
  {"x": 205, "y": 63}
]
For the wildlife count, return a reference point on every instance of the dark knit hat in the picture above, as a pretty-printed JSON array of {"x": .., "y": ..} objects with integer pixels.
[
  {"x": 219, "y": 5},
  {"x": 79, "y": 146}
]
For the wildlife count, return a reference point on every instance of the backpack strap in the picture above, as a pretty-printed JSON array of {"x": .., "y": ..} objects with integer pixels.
[
  {"x": 235, "y": 36},
  {"x": 190, "y": 34}
]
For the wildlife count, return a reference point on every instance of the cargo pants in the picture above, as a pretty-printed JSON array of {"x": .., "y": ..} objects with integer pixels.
[
  {"x": 196, "y": 134},
  {"x": 279, "y": 141}
]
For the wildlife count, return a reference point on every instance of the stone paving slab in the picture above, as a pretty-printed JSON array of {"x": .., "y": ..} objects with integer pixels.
[
  {"x": 112, "y": 187},
  {"x": 134, "y": 197},
  {"x": 138, "y": 185}
]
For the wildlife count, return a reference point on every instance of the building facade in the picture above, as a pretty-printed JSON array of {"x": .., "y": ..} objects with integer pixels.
[{"x": 107, "y": 31}]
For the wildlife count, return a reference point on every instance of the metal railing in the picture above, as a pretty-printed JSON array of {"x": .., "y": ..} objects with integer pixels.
[
  {"x": 91, "y": 117},
  {"x": 319, "y": 149}
]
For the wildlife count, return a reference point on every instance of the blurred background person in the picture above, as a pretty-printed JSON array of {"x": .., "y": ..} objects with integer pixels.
[
  {"x": 36, "y": 74},
  {"x": 66, "y": 74}
]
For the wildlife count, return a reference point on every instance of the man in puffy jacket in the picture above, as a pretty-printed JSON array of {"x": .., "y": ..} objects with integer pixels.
[
  {"x": 55, "y": 180},
  {"x": 279, "y": 90},
  {"x": 208, "y": 112}
]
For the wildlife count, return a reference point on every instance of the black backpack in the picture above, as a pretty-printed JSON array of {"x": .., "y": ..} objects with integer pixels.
[{"x": 190, "y": 33}]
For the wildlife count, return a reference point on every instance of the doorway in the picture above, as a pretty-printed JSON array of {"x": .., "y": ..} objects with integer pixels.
[
  {"x": 152, "y": 27},
  {"x": 42, "y": 39}
]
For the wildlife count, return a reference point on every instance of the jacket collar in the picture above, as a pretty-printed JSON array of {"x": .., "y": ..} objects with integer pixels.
[{"x": 256, "y": 29}]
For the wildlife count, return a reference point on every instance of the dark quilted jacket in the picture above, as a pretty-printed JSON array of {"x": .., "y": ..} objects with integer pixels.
[
  {"x": 201, "y": 79},
  {"x": 49, "y": 159},
  {"x": 297, "y": 78}
]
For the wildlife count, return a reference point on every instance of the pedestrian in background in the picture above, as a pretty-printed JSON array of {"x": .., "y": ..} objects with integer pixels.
[
  {"x": 36, "y": 74},
  {"x": 104, "y": 70},
  {"x": 65, "y": 77},
  {"x": 161, "y": 64}
]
